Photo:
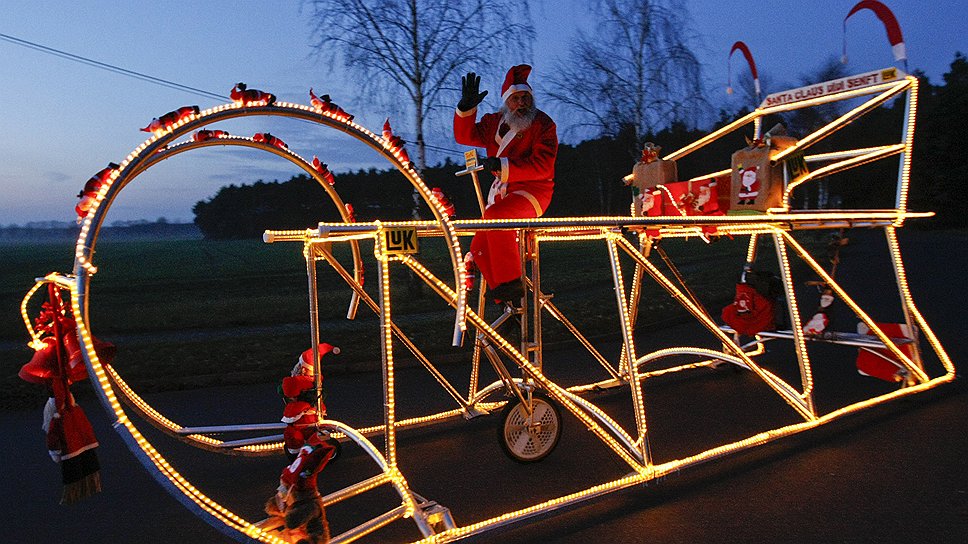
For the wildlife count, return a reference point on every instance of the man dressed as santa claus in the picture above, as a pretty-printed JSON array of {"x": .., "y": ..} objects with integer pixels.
[{"x": 521, "y": 143}]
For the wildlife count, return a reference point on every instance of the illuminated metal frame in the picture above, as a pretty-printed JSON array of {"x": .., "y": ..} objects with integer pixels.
[
  {"x": 162, "y": 146},
  {"x": 630, "y": 371}
]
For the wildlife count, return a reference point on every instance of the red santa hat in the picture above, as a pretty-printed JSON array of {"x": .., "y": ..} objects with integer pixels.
[
  {"x": 516, "y": 80},
  {"x": 304, "y": 365},
  {"x": 891, "y": 26}
]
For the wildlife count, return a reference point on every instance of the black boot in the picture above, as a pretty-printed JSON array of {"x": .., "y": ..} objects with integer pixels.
[{"x": 510, "y": 292}]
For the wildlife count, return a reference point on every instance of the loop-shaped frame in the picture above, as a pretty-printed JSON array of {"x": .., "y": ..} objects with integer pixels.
[{"x": 151, "y": 152}]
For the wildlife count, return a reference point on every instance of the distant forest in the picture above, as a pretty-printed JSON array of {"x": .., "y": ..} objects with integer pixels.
[{"x": 588, "y": 175}]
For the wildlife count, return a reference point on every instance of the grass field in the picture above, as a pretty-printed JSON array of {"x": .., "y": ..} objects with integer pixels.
[{"x": 189, "y": 313}]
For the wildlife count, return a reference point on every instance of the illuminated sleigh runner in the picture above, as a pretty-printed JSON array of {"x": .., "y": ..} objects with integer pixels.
[{"x": 535, "y": 395}]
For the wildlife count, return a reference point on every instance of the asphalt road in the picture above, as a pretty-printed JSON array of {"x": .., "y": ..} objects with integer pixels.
[{"x": 890, "y": 474}]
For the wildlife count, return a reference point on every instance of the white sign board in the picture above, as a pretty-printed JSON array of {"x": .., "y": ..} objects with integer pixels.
[{"x": 849, "y": 83}]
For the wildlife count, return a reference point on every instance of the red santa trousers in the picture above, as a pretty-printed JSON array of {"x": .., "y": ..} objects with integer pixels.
[{"x": 496, "y": 251}]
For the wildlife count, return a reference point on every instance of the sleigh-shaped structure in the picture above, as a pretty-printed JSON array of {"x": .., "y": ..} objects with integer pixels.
[{"x": 526, "y": 389}]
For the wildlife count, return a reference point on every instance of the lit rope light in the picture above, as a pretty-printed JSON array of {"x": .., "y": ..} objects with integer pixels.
[
  {"x": 895, "y": 251},
  {"x": 35, "y": 342},
  {"x": 874, "y": 154},
  {"x": 789, "y": 394},
  {"x": 84, "y": 267},
  {"x": 380, "y": 252},
  {"x": 742, "y": 121},
  {"x": 457, "y": 533},
  {"x": 687, "y": 224},
  {"x": 911, "y": 109},
  {"x": 638, "y": 403},
  {"x": 83, "y": 253},
  {"x": 218, "y": 512},
  {"x": 843, "y": 120},
  {"x": 803, "y": 357}
]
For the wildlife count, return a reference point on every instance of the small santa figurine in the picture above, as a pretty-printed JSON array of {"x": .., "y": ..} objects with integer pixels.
[
  {"x": 299, "y": 391},
  {"x": 818, "y": 323}
]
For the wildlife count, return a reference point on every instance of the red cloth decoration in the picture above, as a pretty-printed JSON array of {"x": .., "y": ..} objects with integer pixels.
[
  {"x": 323, "y": 170},
  {"x": 70, "y": 438},
  {"x": 89, "y": 193},
  {"x": 741, "y": 47},
  {"x": 891, "y": 26},
  {"x": 312, "y": 459},
  {"x": 515, "y": 81},
  {"x": 269, "y": 139},
  {"x": 750, "y": 312},
  {"x": 882, "y": 364},
  {"x": 166, "y": 121},
  {"x": 299, "y": 391},
  {"x": 445, "y": 202},
  {"x": 202, "y": 135},
  {"x": 297, "y": 508},
  {"x": 396, "y": 142}
]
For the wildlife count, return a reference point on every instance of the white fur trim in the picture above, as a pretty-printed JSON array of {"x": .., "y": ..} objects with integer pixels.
[
  {"x": 515, "y": 88},
  {"x": 297, "y": 417},
  {"x": 504, "y": 141},
  {"x": 505, "y": 168},
  {"x": 90, "y": 446},
  {"x": 467, "y": 113},
  {"x": 899, "y": 51}
]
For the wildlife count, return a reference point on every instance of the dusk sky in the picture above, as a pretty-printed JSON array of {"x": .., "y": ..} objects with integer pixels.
[{"x": 63, "y": 120}]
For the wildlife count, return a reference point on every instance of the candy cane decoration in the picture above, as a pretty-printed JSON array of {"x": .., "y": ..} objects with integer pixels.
[
  {"x": 890, "y": 25},
  {"x": 749, "y": 59}
]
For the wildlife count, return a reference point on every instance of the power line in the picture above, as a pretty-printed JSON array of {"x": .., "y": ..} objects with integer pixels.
[
  {"x": 110, "y": 67},
  {"x": 140, "y": 76}
]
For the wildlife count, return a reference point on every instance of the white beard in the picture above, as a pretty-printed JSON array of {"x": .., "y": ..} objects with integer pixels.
[{"x": 518, "y": 122}]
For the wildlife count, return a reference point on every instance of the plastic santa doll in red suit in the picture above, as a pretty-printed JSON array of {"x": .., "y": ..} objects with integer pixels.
[
  {"x": 522, "y": 144},
  {"x": 299, "y": 391}
]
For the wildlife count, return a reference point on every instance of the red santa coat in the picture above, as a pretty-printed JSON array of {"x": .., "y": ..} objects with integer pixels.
[
  {"x": 527, "y": 158},
  {"x": 528, "y": 168}
]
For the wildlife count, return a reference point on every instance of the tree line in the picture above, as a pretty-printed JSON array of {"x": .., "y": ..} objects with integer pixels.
[{"x": 588, "y": 174}]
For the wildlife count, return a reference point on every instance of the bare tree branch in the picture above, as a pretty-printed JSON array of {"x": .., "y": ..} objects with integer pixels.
[
  {"x": 419, "y": 48},
  {"x": 637, "y": 70}
]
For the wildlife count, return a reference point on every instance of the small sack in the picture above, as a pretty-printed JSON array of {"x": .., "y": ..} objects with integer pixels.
[
  {"x": 757, "y": 183},
  {"x": 646, "y": 175}
]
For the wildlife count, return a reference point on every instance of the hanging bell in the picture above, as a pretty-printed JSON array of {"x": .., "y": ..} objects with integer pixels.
[
  {"x": 43, "y": 365},
  {"x": 76, "y": 371}
]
